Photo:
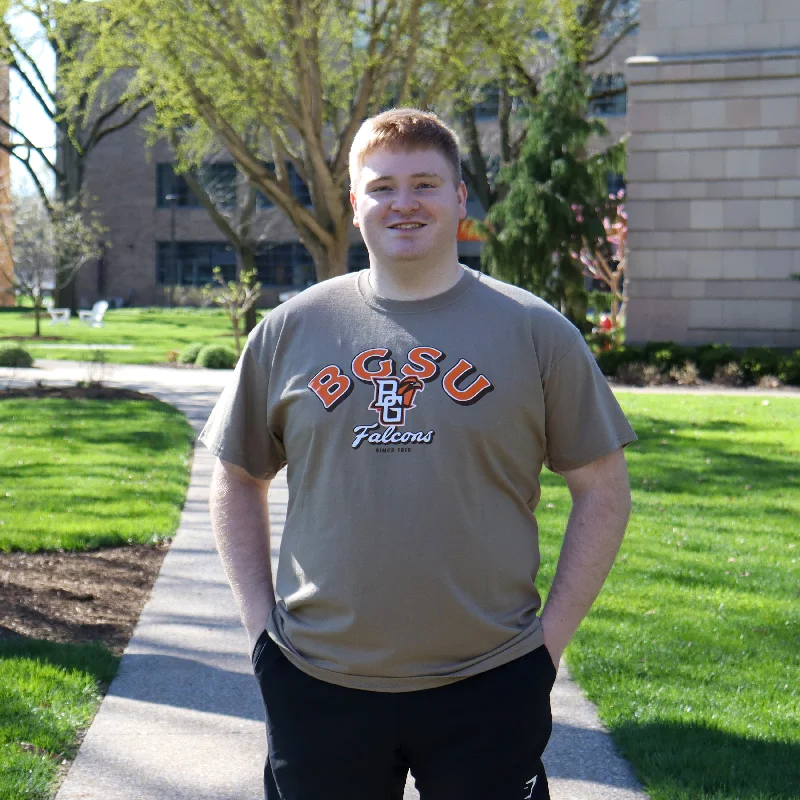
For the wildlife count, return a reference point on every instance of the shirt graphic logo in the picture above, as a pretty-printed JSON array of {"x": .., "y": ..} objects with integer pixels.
[{"x": 395, "y": 395}]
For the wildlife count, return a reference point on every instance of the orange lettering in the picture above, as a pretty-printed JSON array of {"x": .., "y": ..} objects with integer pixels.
[
  {"x": 424, "y": 363},
  {"x": 472, "y": 393},
  {"x": 331, "y": 385},
  {"x": 385, "y": 368}
]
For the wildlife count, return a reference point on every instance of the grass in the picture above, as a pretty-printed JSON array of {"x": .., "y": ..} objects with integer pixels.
[
  {"x": 48, "y": 692},
  {"x": 692, "y": 651},
  {"x": 78, "y": 474},
  {"x": 75, "y": 474},
  {"x": 153, "y": 332}
]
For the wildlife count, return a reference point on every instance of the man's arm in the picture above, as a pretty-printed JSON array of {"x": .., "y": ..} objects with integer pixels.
[
  {"x": 240, "y": 521},
  {"x": 601, "y": 505}
]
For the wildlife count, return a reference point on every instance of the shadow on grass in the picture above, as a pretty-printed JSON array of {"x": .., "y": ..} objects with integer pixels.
[{"x": 696, "y": 762}]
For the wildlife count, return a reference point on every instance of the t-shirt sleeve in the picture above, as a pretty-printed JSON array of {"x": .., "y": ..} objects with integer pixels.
[
  {"x": 583, "y": 420},
  {"x": 238, "y": 429}
]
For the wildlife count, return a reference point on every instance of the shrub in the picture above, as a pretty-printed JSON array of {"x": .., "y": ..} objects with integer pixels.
[
  {"x": 610, "y": 361},
  {"x": 189, "y": 353},
  {"x": 216, "y": 356},
  {"x": 759, "y": 361},
  {"x": 638, "y": 373},
  {"x": 769, "y": 382},
  {"x": 12, "y": 355},
  {"x": 668, "y": 354},
  {"x": 789, "y": 369},
  {"x": 730, "y": 374},
  {"x": 710, "y": 356},
  {"x": 686, "y": 374}
]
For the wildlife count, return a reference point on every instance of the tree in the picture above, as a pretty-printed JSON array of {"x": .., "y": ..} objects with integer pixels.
[
  {"x": 96, "y": 109},
  {"x": 236, "y": 297},
  {"x": 519, "y": 52},
  {"x": 533, "y": 233},
  {"x": 47, "y": 246},
  {"x": 309, "y": 71}
]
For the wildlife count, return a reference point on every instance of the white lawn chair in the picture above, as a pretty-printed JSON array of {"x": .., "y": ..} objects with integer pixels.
[
  {"x": 94, "y": 318},
  {"x": 56, "y": 314}
]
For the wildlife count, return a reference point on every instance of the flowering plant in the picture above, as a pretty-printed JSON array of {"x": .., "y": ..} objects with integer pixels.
[{"x": 605, "y": 260}]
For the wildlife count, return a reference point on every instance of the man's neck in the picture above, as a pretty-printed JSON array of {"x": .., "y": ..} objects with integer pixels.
[{"x": 414, "y": 281}]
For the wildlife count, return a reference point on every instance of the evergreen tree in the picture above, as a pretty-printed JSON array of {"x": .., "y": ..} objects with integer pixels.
[{"x": 555, "y": 196}]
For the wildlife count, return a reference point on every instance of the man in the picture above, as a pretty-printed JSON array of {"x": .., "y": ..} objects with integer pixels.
[{"x": 414, "y": 403}]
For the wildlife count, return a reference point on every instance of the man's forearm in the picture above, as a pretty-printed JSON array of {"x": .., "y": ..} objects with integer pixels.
[
  {"x": 240, "y": 521},
  {"x": 594, "y": 533}
]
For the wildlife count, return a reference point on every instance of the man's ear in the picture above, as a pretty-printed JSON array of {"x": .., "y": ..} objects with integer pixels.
[
  {"x": 462, "y": 200},
  {"x": 355, "y": 209}
]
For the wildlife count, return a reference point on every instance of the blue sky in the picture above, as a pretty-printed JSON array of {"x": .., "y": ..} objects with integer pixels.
[{"x": 26, "y": 114}]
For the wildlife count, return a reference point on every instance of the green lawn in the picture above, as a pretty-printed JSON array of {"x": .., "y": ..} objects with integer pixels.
[
  {"x": 692, "y": 651},
  {"x": 152, "y": 332},
  {"x": 90, "y": 473},
  {"x": 75, "y": 475},
  {"x": 48, "y": 692}
]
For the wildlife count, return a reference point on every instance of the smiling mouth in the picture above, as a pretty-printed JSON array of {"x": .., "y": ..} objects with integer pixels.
[{"x": 407, "y": 226}]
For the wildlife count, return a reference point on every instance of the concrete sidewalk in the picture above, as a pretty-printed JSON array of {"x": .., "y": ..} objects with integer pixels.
[{"x": 183, "y": 719}]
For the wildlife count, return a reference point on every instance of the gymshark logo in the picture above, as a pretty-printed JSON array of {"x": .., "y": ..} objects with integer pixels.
[{"x": 531, "y": 783}]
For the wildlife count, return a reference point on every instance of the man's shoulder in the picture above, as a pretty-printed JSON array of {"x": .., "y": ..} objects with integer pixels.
[
  {"x": 506, "y": 298},
  {"x": 333, "y": 291}
]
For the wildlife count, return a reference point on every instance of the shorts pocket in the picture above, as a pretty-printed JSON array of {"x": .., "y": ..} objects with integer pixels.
[{"x": 550, "y": 668}]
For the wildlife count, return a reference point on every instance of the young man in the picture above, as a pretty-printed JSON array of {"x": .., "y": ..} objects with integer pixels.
[{"x": 414, "y": 403}]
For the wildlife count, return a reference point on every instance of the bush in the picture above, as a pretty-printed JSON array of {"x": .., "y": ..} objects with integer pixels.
[
  {"x": 638, "y": 373},
  {"x": 759, "y": 361},
  {"x": 685, "y": 375},
  {"x": 611, "y": 361},
  {"x": 189, "y": 353},
  {"x": 789, "y": 369},
  {"x": 710, "y": 356},
  {"x": 216, "y": 356},
  {"x": 730, "y": 374},
  {"x": 12, "y": 355}
]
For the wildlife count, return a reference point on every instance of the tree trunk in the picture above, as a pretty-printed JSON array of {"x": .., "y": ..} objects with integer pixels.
[
  {"x": 247, "y": 263},
  {"x": 331, "y": 261},
  {"x": 37, "y": 310},
  {"x": 70, "y": 163}
]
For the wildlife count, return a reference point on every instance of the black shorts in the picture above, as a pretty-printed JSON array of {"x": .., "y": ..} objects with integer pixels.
[{"x": 480, "y": 738}]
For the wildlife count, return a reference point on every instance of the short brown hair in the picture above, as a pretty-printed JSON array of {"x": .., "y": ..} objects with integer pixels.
[{"x": 405, "y": 129}]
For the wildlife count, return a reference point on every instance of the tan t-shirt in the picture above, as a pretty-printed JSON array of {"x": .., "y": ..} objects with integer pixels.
[{"x": 414, "y": 433}]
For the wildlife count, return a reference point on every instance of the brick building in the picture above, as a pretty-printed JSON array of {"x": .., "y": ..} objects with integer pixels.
[{"x": 714, "y": 173}]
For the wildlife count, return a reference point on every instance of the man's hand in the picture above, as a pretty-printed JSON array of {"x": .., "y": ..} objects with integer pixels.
[
  {"x": 240, "y": 521},
  {"x": 601, "y": 505}
]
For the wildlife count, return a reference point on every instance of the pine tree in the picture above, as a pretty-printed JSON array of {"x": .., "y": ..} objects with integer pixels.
[{"x": 555, "y": 196}]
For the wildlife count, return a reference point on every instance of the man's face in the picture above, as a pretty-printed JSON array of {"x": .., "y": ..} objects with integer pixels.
[{"x": 407, "y": 205}]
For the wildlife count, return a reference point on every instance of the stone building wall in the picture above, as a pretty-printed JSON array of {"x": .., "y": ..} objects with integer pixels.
[{"x": 714, "y": 173}]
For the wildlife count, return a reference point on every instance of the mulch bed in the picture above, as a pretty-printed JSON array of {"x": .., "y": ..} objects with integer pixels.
[
  {"x": 90, "y": 391},
  {"x": 77, "y": 597}
]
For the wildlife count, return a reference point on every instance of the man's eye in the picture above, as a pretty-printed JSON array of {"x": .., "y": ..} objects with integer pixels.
[
  {"x": 379, "y": 188},
  {"x": 425, "y": 186}
]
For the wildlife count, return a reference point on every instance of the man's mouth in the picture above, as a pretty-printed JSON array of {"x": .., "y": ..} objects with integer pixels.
[{"x": 407, "y": 226}]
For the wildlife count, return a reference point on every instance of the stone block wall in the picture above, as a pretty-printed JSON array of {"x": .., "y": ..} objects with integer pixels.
[{"x": 714, "y": 173}]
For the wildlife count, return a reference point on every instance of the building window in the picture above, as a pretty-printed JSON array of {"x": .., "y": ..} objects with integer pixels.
[
  {"x": 357, "y": 258},
  {"x": 218, "y": 179},
  {"x": 285, "y": 264},
  {"x": 609, "y": 97},
  {"x": 194, "y": 262},
  {"x": 299, "y": 189}
]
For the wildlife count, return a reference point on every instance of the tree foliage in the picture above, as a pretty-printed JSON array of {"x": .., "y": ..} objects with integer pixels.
[
  {"x": 519, "y": 51},
  {"x": 308, "y": 71},
  {"x": 555, "y": 194},
  {"x": 47, "y": 246},
  {"x": 236, "y": 297}
]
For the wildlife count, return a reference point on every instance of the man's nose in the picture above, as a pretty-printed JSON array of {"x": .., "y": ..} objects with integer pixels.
[{"x": 404, "y": 200}]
